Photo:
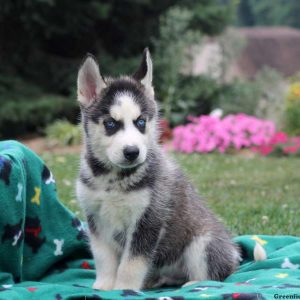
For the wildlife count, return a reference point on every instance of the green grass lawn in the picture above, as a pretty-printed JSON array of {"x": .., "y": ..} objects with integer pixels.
[{"x": 252, "y": 195}]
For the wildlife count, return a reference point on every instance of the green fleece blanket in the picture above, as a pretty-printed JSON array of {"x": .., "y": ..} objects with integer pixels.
[{"x": 44, "y": 253}]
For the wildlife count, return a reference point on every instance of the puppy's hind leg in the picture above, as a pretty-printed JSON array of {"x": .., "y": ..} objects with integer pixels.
[
  {"x": 195, "y": 259},
  {"x": 210, "y": 258},
  {"x": 222, "y": 258}
]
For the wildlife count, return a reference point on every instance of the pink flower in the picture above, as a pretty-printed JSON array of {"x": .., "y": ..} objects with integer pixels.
[
  {"x": 279, "y": 138},
  {"x": 282, "y": 143},
  {"x": 290, "y": 149},
  {"x": 266, "y": 149},
  {"x": 209, "y": 133}
]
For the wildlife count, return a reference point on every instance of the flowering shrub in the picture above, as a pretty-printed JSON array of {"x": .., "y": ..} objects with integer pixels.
[
  {"x": 294, "y": 92},
  {"x": 280, "y": 144},
  {"x": 210, "y": 133},
  {"x": 292, "y": 109}
]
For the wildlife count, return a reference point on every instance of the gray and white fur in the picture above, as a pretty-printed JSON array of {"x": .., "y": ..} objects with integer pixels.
[{"x": 147, "y": 226}]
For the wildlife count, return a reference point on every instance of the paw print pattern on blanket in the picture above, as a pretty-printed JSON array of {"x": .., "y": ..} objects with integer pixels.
[
  {"x": 47, "y": 176},
  {"x": 13, "y": 233},
  {"x": 5, "y": 169},
  {"x": 76, "y": 223},
  {"x": 32, "y": 233}
]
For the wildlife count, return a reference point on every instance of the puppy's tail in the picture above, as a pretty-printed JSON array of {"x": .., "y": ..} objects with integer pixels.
[{"x": 259, "y": 253}]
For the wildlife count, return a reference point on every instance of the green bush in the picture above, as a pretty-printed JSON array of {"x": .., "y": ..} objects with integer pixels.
[
  {"x": 194, "y": 96},
  {"x": 183, "y": 94},
  {"x": 63, "y": 133},
  {"x": 292, "y": 107},
  {"x": 25, "y": 108},
  {"x": 201, "y": 94},
  {"x": 237, "y": 96},
  {"x": 262, "y": 97},
  {"x": 292, "y": 119},
  {"x": 32, "y": 114},
  {"x": 180, "y": 94},
  {"x": 170, "y": 55},
  {"x": 272, "y": 89}
]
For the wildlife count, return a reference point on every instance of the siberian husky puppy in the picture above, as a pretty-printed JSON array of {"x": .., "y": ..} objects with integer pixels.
[{"x": 147, "y": 226}]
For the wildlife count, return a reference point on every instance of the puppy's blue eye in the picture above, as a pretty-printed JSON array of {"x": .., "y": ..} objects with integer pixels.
[
  {"x": 110, "y": 124},
  {"x": 141, "y": 123}
]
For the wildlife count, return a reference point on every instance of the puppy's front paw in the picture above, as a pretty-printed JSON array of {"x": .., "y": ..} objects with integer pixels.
[{"x": 104, "y": 284}]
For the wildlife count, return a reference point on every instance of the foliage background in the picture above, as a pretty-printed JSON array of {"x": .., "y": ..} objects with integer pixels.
[
  {"x": 43, "y": 41},
  {"x": 268, "y": 13}
]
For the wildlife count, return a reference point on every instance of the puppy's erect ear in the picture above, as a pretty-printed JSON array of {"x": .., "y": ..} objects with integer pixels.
[
  {"x": 144, "y": 72},
  {"x": 89, "y": 81}
]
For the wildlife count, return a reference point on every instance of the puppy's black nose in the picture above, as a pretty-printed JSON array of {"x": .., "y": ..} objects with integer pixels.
[{"x": 131, "y": 152}]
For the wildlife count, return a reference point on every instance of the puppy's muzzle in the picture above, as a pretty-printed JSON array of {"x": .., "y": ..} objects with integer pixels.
[{"x": 131, "y": 153}]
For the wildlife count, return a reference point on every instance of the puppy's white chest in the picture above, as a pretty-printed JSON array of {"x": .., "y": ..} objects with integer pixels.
[
  {"x": 114, "y": 209},
  {"x": 119, "y": 210}
]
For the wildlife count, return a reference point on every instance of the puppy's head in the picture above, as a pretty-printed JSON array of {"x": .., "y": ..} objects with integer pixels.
[{"x": 119, "y": 115}]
